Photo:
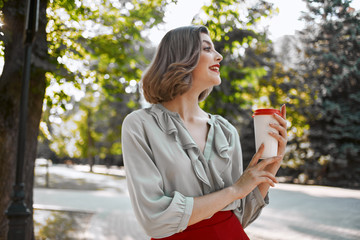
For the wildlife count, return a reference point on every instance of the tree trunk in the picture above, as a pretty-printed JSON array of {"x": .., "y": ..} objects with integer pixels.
[{"x": 10, "y": 95}]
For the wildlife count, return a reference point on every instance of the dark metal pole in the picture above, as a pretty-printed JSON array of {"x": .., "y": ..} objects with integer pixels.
[{"x": 18, "y": 212}]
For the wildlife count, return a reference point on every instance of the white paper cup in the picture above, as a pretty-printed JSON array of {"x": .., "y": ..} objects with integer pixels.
[{"x": 262, "y": 119}]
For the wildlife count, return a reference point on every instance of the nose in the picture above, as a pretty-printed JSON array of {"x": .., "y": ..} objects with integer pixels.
[{"x": 218, "y": 56}]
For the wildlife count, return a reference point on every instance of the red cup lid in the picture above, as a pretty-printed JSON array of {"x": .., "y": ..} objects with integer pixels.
[{"x": 266, "y": 111}]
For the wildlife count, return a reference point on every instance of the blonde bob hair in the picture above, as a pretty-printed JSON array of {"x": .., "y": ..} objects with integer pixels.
[{"x": 169, "y": 73}]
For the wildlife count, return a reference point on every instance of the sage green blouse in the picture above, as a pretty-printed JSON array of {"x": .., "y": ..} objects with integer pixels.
[{"x": 165, "y": 169}]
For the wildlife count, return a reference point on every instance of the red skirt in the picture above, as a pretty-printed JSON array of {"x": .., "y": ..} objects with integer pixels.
[{"x": 224, "y": 225}]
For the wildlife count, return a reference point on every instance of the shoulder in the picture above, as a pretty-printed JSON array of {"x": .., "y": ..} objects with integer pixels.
[
  {"x": 135, "y": 118},
  {"x": 223, "y": 121},
  {"x": 134, "y": 115},
  {"x": 145, "y": 118}
]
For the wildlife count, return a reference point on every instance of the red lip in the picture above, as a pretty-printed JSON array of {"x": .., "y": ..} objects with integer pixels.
[
  {"x": 217, "y": 68},
  {"x": 216, "y": 65}
]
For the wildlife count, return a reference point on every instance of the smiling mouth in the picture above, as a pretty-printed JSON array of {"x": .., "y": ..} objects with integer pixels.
[{"x": 215, "y": 68}]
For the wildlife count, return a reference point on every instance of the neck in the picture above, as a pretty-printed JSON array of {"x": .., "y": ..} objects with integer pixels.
[{"x": 186, "y": 105}]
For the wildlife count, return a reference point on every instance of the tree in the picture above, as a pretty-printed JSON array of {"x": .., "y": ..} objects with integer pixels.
[
  {"x": 332, "y": 70},
  {"x": 10, "y": 85},
  {"x": 247, "y": 67},
  {"x": 63, "y": 45},
  {"x": 110, "y": 61},
  {"x": 254, "y": 76}
]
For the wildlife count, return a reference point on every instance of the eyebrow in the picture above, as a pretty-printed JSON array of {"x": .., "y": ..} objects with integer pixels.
[{"x": 206, "y": 41}]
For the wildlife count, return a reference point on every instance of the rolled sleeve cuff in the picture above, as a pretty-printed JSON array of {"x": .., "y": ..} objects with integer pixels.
[
  {"x": 259, "y": 198},
  {"x": 189, "y": 204}
]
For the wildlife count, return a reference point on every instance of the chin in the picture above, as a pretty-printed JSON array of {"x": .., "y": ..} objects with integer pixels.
[{"x": 218, "y": 82}]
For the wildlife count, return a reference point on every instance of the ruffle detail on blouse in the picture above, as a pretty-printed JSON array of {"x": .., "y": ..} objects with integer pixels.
[
  {"x": 222, "y": 143},
  {"x": 169, "y": 122},
  {"x": 222, "y": 138}
]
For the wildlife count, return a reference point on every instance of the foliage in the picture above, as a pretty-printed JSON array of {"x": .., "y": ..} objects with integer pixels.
[
  {"x": 97, "y": 51},
  {"x": 63, "y": 225},
  {"x": 251, "y": 75},
  {"x": 57, "y": 227},
  {"x": 98, "y": 54},
  {"x": 332, "y": 70}
]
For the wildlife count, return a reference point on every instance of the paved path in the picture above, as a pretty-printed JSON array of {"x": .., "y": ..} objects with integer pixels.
[
  {"x": 295, "y": 211},
  {"x": 309, "y": 212}
]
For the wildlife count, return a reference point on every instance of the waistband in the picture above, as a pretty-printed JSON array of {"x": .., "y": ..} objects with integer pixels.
[
  {"x": 215, "y": 219},
  {"x": 222, "y": 225}
]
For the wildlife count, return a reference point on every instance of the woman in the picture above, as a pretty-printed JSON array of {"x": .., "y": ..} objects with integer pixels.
[{"x": 184, "y": 166}]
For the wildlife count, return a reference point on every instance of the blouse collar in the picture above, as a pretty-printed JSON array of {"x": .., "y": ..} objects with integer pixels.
[{"x": 171, "y": 123}]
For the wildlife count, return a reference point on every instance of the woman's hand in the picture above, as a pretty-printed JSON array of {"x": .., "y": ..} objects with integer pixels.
[
  {"x": 265, "y": 171},
  {"x": 281, "y": 127},
  {"x": 255, "y": 174},
  {"x": 280, "y": 136}
]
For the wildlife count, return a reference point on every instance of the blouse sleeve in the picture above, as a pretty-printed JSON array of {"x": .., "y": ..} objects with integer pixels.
[
  {"x": 160, "y": 215},
  {"x": 250, "y": 206}
]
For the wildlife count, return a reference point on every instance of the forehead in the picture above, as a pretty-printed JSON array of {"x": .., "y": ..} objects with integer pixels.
[{"x": 205, "y": 38}]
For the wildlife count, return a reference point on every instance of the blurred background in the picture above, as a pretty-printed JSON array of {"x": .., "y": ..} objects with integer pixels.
[
  {"x": 88, "y": 59},
  {"x": 99, "y": 50}
]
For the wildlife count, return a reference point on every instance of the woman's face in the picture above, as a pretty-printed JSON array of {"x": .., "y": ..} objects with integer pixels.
[{"x": 206, "y": 74}]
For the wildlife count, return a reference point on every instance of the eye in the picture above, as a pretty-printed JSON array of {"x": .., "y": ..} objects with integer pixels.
[{"x": 208, "y": 49}]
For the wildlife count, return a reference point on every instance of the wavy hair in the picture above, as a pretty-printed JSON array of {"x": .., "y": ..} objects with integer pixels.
[{"x": 169, "y": 73}]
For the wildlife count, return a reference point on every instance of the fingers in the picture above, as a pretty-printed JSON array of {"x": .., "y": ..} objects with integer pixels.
[
  {"x": 269, "y": 178},
  {"x": 268, "y": 161},
  {"x": 266, "y": 176},
  {"x": 278, "y": 136},
  {"x": 281, "y": 127},
  {"x": 257, "y": 156},
  {"x": 263, "y": 177},
  {"x": 283, "y": 111},
  {"x": 282, "y": 117},
  {"x": 281, "y": 120},
  {"x": 280, "y": 130},
  {"x": 255, "y": 175}
]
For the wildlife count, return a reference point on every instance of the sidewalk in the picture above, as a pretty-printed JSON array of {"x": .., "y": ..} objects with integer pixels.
[
  {"x": 105, "y": 197},
  {"x": 309, "y": 212},
  {"x": 294, "y": 212}
]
